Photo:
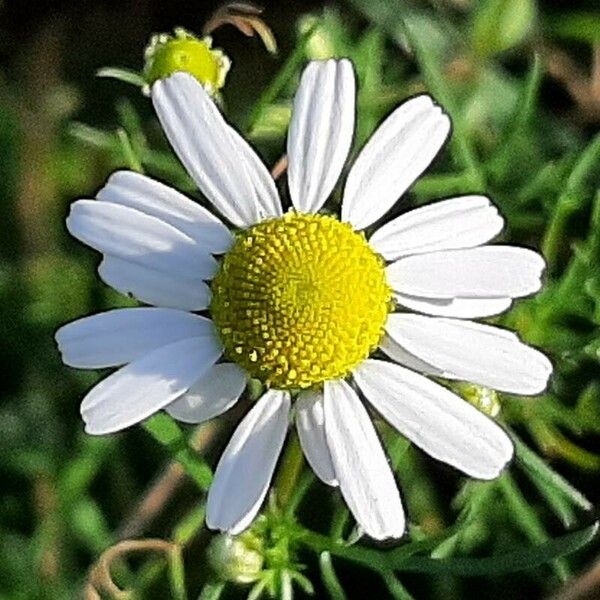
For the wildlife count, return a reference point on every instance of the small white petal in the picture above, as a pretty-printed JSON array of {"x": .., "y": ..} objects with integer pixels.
[
  {"x": 461, "y": 308},
  {"x": 133, "y": 236},
  {"x": 213, "y": 394},
  {"x": 320, "y": 132},
  {"x": 219, "y": 161},
  {"x": 365, "y": 478},
  {"x": 482, "y": 354},
  {"x": 148, "y": 384},
  {"x": 152, "y": 286},
  {"x": 445, "y": 426},
  {"x": 116, "y": 337},
  {"x": 484, "y": 272},
  {"x": 462, "y": 222},
  {"x": 310, "y": 423},
  {"x": 163, "y": 202},
  {"x": 246, "y": 466},
  {"x": 397, "y": 153}
]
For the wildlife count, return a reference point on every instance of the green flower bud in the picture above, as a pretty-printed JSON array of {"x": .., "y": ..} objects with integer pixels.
[
  {"x": 183, "y": 51},
  {"x": 485, "y": 399},
  {"x": 237, "y": 558}
]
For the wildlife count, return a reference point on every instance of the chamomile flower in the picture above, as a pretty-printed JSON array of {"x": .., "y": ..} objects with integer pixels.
[{"x": 326, "y": 311}]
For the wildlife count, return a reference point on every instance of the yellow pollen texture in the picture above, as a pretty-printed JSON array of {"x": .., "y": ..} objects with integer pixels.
[{"x": 299, "y": 300}]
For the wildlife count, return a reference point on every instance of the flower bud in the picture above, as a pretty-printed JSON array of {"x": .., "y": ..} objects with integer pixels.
[
  {"x": 183, "y": 51},
  {"x": 485, "y": 399},
  {"x": 236, "y": 558}
]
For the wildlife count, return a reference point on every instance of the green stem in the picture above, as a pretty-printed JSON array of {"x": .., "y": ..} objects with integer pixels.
[
  {"x": 164, "y": 429},
  {"x": 554, "y": 238},
  {"x": 503, "y": 161},
  {"x": 133, "y": 162},
  {"x": 401, "y": 559},
  {"x": 532, "y": 462},
  {"x": 329, "y": 577},
  {"x": 289, "y": 472},
  {"x": 570, "y": 200},
  {"x": 395, "y": 588},
  {"x": 392, "y": 18},
  {"x": 528, "y": 520},
  {"x": 212, "y": 590},
  {"x": 284, "y": 75},
  {"x": 177, "y": 574}
]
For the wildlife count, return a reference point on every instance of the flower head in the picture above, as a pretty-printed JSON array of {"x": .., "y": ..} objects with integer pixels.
[
  {"x": 323, "y": 310},
  {"x": 183, "y": 51}
]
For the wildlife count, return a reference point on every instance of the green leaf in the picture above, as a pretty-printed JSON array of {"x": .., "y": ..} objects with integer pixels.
[
  {"x": 189, "y": 525},
  {"x": 286, "y": 73},
  {"x": 121, "y": 74},
  {"x": 177, "y": 574},
  {"x": 581, "y": 26},
  {"x": 572, "y": 199},
  {"x": 502, "y": 24},
  {"x": 528, "y": 520},
  {"x": 131, "y": 159},
  {"x": 329, "y": 577},
  {"x": 400, "y": 25},
  {"x": 395, "y": 588},
  {"x": 212, "y": 590},
  {"x": 510, "y": 562},
  {"x": 498, "y": 564},
  {"x": 165, "y": 430},
  {"x": 547, "y": 477}
]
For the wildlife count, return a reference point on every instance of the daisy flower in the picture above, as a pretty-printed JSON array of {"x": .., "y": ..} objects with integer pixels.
[{"x": 325, "y": 314}]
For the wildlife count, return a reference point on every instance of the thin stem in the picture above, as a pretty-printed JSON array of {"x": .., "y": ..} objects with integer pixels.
[
  {"x": 133, "y": 162},
  {"x": 551, "y": 478},
  {"x": 570, "y": 201},
  {"x": 212, "y": 590},
  {"x": 529, "y": 521},
  {"x": 554, "y": 239},
  {"x": 283, "y": 77},
  {"x": 329, "y": 577},
  {"x": 395, "y": 588},
  {"x": 289, "y": 472}
]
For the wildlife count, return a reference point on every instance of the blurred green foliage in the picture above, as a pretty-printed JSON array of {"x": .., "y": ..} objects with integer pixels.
[{"x": 521, "y": 81}]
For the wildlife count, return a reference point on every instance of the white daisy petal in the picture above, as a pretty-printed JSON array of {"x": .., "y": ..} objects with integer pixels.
[
  {"x": 484, "y": 272},
  {"x": 268, "y": 203},
  {"x": 445, "y": 426},
  {"x": 401, "y": 355},
  {"x": 397, "y": 153},
  {"x": 163, "y": 202},
  {"x": 246, "y": 466},
  {"x": 216, "y": 159},
  {"x": 148, "y": 384},
  {"x": 116, "y": 337},
  {"x": 461, "y": 308},
  {"x": 213, "y": 394},
  {"x": 310, "y": 423},
  {"x": 482, "y": 354},
  {"x": 320, "y": 132},
  {"x": 365, "y": 478},
  {"x": 462, "y": 222},
  {"x": 152, "y": 286},
  {"x": 136, "y": 237}
]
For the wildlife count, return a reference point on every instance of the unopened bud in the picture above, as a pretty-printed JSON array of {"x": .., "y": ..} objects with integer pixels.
[
  {"x": 237, "y": 558},
  {"x": 485, "y": 399},
  {"x": 183, "y": 51}
]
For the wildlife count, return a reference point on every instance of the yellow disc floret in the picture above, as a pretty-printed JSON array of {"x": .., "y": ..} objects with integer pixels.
[
  {"x": 166, "y": 54},
  {"x": 299, "y": 300}
]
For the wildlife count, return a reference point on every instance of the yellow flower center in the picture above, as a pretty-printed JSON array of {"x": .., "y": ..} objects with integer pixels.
[{"x": 299, "y": 300}]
